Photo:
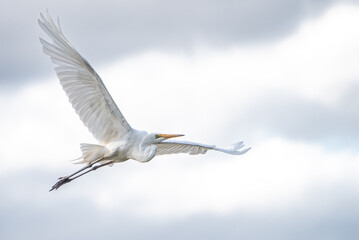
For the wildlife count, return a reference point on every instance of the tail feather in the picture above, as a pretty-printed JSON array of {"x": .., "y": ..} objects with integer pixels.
[{"x": 91, "y": 152}]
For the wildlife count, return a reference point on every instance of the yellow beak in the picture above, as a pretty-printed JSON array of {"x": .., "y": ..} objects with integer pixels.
[{"x": 167, "y": 136}]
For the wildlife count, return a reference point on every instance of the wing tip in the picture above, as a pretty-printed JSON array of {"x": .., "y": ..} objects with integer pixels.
[{"x": 234, "y": 149}]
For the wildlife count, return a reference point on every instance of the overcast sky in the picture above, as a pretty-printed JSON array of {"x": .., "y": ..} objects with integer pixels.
[
  {"x": 280, "y": 75},
  {"x": 108, "y": 30}
]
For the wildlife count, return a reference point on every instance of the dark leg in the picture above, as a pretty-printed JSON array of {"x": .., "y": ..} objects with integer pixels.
[
  {"x": 92, "y": 169},
  {"x": 86, "y": 167},
  {"x": 68, "y": 179}
]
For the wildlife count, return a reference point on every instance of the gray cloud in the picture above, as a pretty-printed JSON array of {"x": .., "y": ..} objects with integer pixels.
[
  {"x": 28, "y": 211},
  {"x": 279, "y": 114},
  {"x": 104, "y": 30}
]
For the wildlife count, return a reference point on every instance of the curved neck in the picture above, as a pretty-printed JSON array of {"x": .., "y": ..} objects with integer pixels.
[{"x": 145, "y": 151}]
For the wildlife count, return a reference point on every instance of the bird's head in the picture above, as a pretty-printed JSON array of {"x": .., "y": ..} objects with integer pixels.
[{"x": 159, "y": 137}]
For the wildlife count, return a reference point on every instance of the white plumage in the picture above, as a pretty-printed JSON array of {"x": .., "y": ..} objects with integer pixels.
[
  {"x": 170, "y": 147},
  {"x": 85, "y": 89},
  {"x": 118, "y": 141}
]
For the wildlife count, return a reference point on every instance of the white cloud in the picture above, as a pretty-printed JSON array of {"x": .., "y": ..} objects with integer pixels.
[{"x": 277, "y": 174}]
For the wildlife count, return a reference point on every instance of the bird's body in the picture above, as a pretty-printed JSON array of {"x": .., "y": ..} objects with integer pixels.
[
  {"x": 135, "y": 145},
  {"x": 118, "y": 141}
]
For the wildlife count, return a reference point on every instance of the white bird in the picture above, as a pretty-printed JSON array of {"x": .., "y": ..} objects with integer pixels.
[{"x": 118, "y": 141}]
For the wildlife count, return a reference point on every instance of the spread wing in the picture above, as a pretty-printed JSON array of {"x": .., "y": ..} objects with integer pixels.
[
  {"x": 84, "y": 88},
  {"x": 173, "y": 147}
]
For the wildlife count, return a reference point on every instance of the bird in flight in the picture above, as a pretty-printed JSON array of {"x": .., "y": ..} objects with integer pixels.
[{"x": 118, "y": 141}]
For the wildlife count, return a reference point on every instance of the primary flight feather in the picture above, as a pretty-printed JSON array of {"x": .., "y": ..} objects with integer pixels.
[{"x": 118, "y": 141}]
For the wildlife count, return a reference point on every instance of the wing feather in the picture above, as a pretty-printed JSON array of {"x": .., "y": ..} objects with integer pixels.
[
  {"x": 84, "y": 88},
  {"x": 174, "y": 147}
]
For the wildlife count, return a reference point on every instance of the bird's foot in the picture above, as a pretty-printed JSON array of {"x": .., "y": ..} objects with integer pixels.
[{"x": 61, "y": 181}]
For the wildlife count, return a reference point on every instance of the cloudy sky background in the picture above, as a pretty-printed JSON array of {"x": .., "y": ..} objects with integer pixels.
[{"x": 281, "y": 75}]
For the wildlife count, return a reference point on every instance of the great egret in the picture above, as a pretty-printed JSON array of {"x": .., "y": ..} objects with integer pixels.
[{"x": 118, "y": 141}]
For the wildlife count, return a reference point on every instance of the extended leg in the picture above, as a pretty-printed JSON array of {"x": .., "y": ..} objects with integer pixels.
[
  {"x": 84, "y": 168},
  {"x": 63, "y": 180},
  {"x": 92, "y": 169}
]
